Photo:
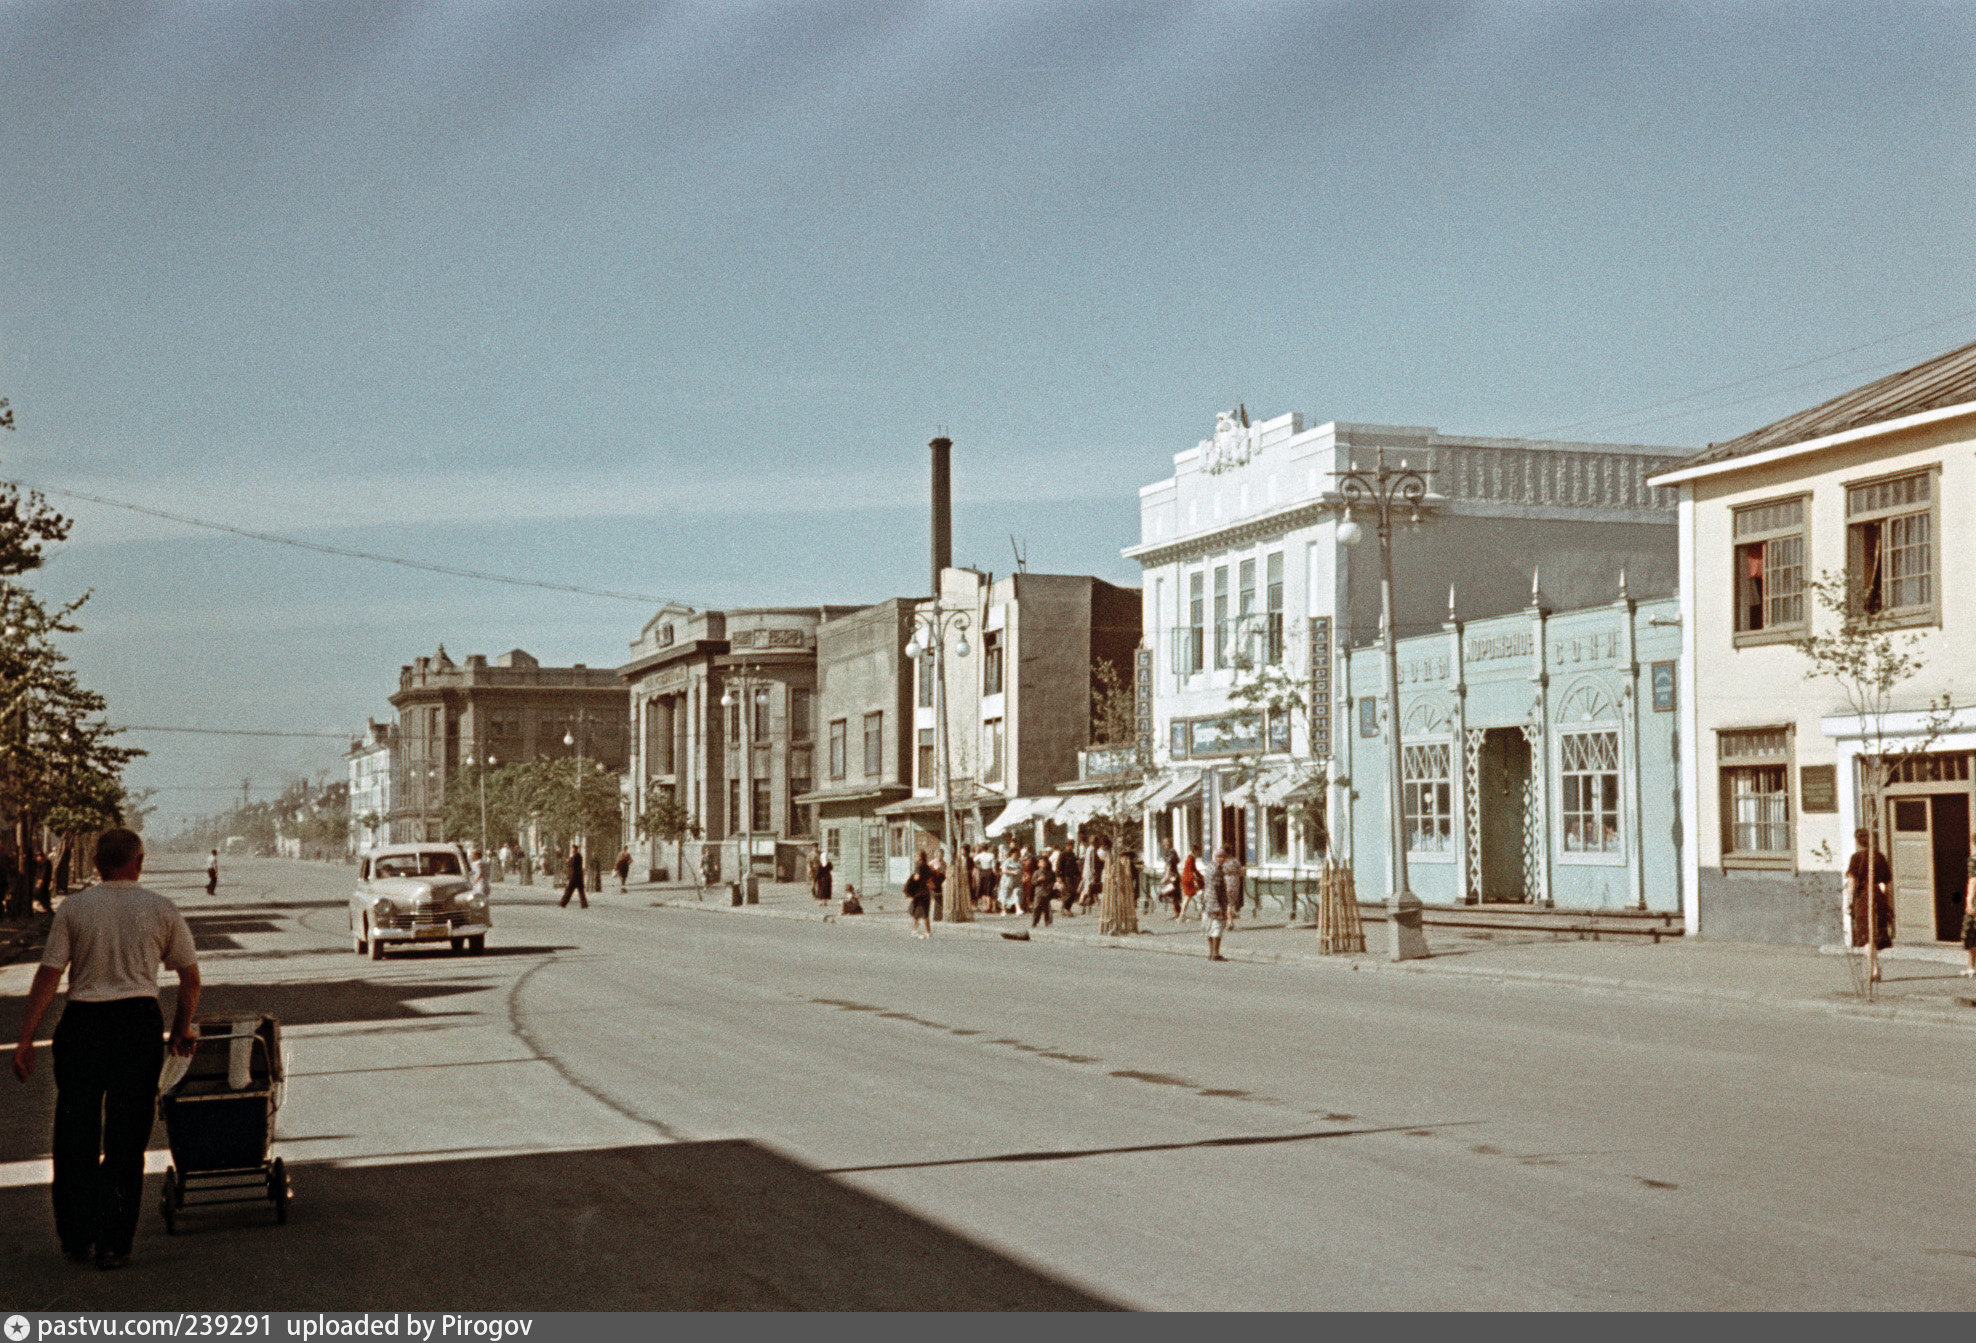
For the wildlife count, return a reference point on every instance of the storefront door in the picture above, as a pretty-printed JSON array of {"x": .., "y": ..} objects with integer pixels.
[
  {"x": 1503, "y": 782},
  {"x": 1929, "y": 846}
]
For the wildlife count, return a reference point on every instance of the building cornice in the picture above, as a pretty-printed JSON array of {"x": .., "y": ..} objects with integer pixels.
[
  {"x": 1864, "y": 432},
  {"x": 1309, "y": 511}
]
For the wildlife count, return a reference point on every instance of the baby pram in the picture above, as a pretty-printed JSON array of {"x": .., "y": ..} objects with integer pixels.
[{"x": 219, "y": 1118}]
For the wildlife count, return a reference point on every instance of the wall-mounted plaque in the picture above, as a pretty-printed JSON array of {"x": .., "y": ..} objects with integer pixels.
[
  {"x": 1662, "y": 674},
  {"x": 1235, "y": 734},
  {"x": 1818, "y": 788}
]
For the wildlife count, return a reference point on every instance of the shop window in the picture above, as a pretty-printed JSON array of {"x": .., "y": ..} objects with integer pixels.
[
  {"x": 991, "y": 663},
  {"x": 1276, "y": 828},
  {"x": 1428, "y": 791},
  {"x": 1589, "y": 776},
  {"x": 833, "y": 843},
  {"x": 1770, "y": 570},
  {"x": 1756, "y": 797},
  {"x": 762, "y": 815},
  {"x": 898, "y": 841},
  {"x": 1890, "y": 548},
  {"x": 874, "y": 744}
]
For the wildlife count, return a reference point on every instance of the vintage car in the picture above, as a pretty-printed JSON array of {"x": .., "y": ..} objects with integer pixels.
[{"x": 416, "y": 893}]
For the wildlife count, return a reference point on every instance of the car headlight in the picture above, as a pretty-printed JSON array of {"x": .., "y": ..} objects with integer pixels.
[{"x": 385, "y": 907}]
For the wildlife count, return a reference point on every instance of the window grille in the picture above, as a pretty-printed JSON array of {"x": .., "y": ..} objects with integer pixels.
[
  {"x": 1590, "y": 776},
  {"x": 1428, "y": 792}
]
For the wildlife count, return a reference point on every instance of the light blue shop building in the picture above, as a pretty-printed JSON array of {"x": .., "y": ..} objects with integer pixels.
[{"x": 1540, "y": 759}]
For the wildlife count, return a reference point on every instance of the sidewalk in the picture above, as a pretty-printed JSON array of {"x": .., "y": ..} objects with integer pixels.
[{"x": 1925, "y": 988}]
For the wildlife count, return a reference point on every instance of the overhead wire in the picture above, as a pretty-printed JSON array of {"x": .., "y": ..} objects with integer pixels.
[
  {"x": 1745, "y": 381},
  {"x": 275, "y": 538}
]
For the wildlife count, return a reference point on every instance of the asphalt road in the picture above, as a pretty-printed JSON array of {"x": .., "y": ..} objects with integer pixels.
[{"x": 635, "y": 1108}]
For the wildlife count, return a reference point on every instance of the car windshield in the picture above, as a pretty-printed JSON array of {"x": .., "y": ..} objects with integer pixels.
[{"x": 417, "y": 865}]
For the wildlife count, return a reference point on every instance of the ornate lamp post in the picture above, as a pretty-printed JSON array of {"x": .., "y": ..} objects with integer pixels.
[
  {"x": 1382, "y": 491},
  {"x": 743, "y": 681},
  {"x": 486, "y": 765},
  {"x": 930, "y": 631}
]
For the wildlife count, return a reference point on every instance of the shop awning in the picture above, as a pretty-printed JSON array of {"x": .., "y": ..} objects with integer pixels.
[
  {"x": 1021, "y": 810},
  {"x": 1173, "y": 791},
  {"x": 1281, "y": 787},
  {"x": 1075, "y": 811},
  {"x": 1240, "y": 796}
]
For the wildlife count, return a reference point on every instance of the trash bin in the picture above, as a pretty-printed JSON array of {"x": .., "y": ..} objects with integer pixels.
[
  {"x": 754, "y": 888},
  {"x": 734, "y": 892}
]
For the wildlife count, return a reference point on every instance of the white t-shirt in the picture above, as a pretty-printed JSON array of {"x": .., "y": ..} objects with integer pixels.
[{"x": 112, "y": 938}]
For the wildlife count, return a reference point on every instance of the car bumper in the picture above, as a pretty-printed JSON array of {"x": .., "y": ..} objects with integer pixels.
[{"x": 454, "y": 924}]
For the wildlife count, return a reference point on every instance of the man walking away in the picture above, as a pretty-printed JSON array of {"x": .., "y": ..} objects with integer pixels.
[
  {"x": 212, "y": 871},
  {"x": 1217, "y": 899},
  {"x": 108, "y": 1049},
  {"x": 623, "y": 869},
  {"x": 574, "y": 885},
  {"x": 1067, "y": 878}
]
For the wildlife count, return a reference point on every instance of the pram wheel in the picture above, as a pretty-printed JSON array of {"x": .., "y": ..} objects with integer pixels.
[
  {"x": 168, "y": 1201},
  {"x": 278, "y": 1191}
]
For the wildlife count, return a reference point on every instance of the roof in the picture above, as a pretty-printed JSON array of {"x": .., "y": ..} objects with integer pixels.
[{"x": 1946, "y": 380}]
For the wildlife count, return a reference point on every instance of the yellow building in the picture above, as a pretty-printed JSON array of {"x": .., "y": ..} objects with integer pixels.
[{"x": 1875, "y": 489}]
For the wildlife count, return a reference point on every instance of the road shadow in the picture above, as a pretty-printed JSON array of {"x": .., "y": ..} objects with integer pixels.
[
  {"x": 691, "y": 1226},
  {"x": 27, "y": 1116}
]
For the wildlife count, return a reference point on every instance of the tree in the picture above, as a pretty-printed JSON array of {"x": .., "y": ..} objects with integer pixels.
[
  {"x": 1865, "y": 653},
  {"x": 1118, "y": 754},
  {"x": 666, "y": 820}
]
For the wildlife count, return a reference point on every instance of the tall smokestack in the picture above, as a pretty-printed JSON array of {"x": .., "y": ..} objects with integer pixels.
[{"x": 943, "y": 508}]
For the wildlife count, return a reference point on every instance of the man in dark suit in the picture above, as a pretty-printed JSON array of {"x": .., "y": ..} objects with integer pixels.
[{"x": 574, "y": 886}]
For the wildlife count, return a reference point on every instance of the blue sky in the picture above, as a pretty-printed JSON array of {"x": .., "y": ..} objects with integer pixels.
[{"x": 670, "y": 297}]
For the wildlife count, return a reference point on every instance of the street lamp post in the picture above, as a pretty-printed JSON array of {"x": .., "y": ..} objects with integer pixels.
[
  {"x": 930, "y": 630},
  {"x": 482, "y": 771},
  {"x": 1384, "y": 490},
  {"x": 743, "y": 681},
  {"x": 571, "y": 737}
]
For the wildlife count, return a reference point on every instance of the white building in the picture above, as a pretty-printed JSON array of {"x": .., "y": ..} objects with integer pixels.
[
  {"x": 1241, "y": 557},
  {"x": 1876, "y": 486},
  {"x": 371, "y": 760}
]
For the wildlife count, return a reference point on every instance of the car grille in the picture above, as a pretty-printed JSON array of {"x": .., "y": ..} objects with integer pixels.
[{"x": 424, "y": 918}]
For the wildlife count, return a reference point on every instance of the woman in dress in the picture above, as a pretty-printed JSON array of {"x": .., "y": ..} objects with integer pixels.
[{"x": 920, "y": 889}]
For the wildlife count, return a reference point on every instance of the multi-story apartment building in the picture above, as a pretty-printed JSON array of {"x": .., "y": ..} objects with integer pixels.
[
  {"x": 724, "y": 720},
  {"x": 865, "y": 692},
  {"x": 1868, "y": 496},
  {"x": 1018, "y": 701},
  {"x": 373, "y": 763},
  {"x": 512, "y": 709},
  {"x": 1245, "y": 575}
]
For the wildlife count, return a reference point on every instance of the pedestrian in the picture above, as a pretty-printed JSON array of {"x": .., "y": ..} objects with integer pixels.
[
  {"x": 824, "y": 877},
  {"x": 920, "y": 889},
  {"x": 809, "y": 874},
  {"x": 507, "y": 860},
  {"x": 1882, "y": 896},
  {"x": 1046, "y": 880},
  {"x": 1010, "y": 897},
  {"x": 1218, "y": 899},
  {"x": 1091, "y": 884},
  {"x": 111, "y": 939},
  {"x": 482, "y": 889},
  {"x": 1026, "y": 896},
  {"x": 1169, "y": 879},
  {"x": 938, "y": 867},
  {"x": 212, "y": 871},
  {"x": 985, "y": 868},
  {"x": 1190, "y": 877},
  {"x": 851, "y": 902},
  {"x": 623, "y": 868},
  {"x": 1067, "y": 878},
  {"x": 1969, "y": 919},
  {"x": 574, "y": 884},
  {"x": 709, "y": 865}
]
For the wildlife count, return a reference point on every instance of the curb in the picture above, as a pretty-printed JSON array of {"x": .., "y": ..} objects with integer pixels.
[{"x": 1926, "y": 1016}]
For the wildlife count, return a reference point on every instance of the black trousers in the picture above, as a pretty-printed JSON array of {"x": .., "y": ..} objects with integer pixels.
[
  {"x": 575, "y": 888},
  {"x": 107, "y": 1057},
  {"x": 1040, "y": 909}
]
